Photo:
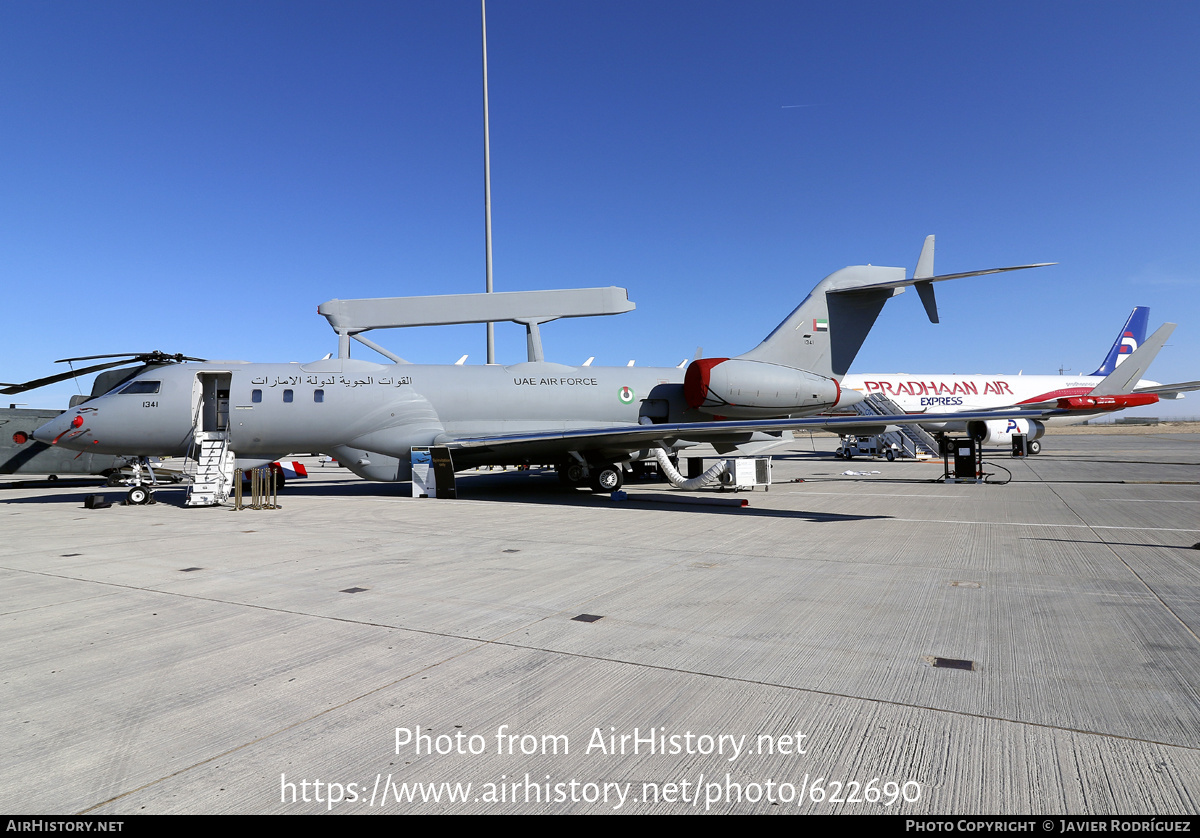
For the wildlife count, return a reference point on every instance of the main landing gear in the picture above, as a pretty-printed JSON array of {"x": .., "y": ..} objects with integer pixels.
[
  {"x": 601, "y": 477},
  {"x": 607, "y": 478}
]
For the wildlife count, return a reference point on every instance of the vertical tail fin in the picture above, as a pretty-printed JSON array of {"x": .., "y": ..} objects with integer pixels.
[
  {"x": 1130, "y": 338},
  {"x": 825, "y": 331}
]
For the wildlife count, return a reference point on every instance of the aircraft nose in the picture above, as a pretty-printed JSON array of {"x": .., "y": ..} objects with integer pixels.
[{"x": 56, "y": 427}]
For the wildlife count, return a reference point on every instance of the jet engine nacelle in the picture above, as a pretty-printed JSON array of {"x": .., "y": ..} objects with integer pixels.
[
  {"x": 743, "y": 389},
  {"x": 1001, "y": 431},
  {"x": 370, "y": 465}
]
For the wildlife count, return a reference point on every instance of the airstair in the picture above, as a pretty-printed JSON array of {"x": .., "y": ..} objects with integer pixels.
[
  {"x": 213, "y": 480},
  {"x": 912, "y": 440}
]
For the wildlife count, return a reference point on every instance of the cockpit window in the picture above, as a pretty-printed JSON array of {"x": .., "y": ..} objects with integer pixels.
[{"x": 142, "y": 388}]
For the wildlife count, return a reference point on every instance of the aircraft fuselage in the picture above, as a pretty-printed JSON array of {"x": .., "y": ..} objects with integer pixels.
[
  {"x": 962, "y": 393},
  {"x": 270, "y": 410}
]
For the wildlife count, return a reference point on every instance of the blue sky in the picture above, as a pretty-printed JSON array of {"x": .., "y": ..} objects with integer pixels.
[{"x": 198, "y": 178}]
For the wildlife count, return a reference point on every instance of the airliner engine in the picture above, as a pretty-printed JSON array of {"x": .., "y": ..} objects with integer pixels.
[
  {"x": 1001, "y": 431},
  {"x": 742, "y": 389}
]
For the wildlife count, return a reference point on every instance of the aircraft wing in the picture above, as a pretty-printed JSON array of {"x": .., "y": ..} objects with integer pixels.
[{"x": 629, "y": 438}]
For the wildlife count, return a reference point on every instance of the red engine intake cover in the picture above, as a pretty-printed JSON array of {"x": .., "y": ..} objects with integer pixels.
[{"x": 695, "y": 380}]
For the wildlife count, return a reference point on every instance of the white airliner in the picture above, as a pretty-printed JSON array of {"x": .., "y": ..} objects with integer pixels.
[{"x": 957, "y": 393}]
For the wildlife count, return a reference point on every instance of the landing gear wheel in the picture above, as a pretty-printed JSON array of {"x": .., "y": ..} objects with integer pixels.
[
  {"x": 607, "y": 478},
  {"x": 138, "y": 496},
  {"x": 572, "y": 474},
  {"x": 52, "y": 478},
  {"x": 1035, "y": 447}
]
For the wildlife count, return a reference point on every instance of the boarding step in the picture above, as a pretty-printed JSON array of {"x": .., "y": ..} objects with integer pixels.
[
  {"x": 213, "y": 479},
  {"x": 912, "y": 440}
]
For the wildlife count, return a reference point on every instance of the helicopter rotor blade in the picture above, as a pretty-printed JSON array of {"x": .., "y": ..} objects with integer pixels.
[
  {"x": 62, "y": 376},
  {"x": 155, "y": 357}
]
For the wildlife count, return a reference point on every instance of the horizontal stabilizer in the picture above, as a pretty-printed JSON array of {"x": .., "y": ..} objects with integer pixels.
[
  {"x": 921, "y": 280},
  {"x": 827, "y": 329},
  {"x": 1170, "y": 391}
]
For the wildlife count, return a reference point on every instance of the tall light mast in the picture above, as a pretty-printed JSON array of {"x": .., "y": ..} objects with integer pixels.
[{"x": 487, "y": 188}]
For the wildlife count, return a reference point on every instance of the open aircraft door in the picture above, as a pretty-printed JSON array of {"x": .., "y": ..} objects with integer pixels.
[{"x": 210, "y": 401}]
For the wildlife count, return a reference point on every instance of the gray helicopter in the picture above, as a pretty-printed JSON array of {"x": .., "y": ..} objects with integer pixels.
[{"x": 21, "y": 454}]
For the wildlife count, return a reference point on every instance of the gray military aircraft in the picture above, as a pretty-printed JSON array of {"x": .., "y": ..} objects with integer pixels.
[
  {"x": 586, "y": 420},
  {"x": 20, "y": 453}
]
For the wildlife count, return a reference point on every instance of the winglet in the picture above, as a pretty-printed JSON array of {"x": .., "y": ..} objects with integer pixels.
[
  {"x": 925, "y": 261},
  {"x": 925, "y": 270},
  {"x": 1124, "y": 378}
]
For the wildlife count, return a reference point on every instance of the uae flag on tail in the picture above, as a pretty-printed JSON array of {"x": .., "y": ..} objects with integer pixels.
[{"x": 820, "y": 325}]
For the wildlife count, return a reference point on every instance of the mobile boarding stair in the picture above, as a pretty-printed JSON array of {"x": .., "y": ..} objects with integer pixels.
[
  {"x": 212, "y": 481},
  {"x": 912, "y": 440}
]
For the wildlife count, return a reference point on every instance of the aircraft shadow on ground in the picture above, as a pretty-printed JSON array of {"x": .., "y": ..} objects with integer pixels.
[
  {"x": 61, "y": 483},
  {"x": 500, "y": 487},
  {"x": 1112, "y": 461},
  {"x": 68, "y": 498},
  {"x": 1117, "y": 543},
  {"x": 544, "y": 489},
  {"x": 171, "y": 496}
]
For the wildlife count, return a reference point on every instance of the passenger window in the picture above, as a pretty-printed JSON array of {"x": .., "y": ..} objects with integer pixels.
[
  {"x": 318, "y": 396},
  {"x": 287, "y": 396},
  {"x": 256, "y": 396}
]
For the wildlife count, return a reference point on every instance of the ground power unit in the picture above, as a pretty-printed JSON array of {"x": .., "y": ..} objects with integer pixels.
[{"x": 747, "y": 473}]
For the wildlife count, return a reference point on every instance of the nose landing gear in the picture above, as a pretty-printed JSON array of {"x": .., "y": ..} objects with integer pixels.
[{"x": 141, "y": 490}]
